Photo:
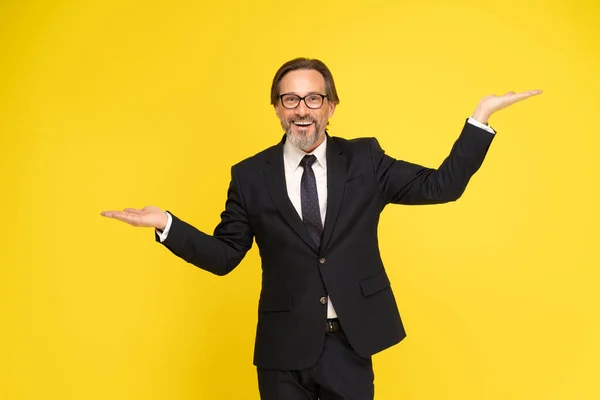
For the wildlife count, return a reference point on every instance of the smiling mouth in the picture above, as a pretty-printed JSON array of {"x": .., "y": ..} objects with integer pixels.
[{"x": 303, "y": 124}]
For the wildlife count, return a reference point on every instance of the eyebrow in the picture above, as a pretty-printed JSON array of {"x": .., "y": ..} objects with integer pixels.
[{"x": 296, "y": 94}]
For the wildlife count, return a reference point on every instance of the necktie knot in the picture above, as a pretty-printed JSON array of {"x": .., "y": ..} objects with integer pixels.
[{"x": 308, "y": 160}]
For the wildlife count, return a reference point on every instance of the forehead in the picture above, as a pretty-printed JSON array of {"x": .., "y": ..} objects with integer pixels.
[{"x": 302, "y": 81}]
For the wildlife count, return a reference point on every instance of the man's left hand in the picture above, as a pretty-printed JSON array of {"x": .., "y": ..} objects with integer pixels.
[{"x": 492, "y": 103}]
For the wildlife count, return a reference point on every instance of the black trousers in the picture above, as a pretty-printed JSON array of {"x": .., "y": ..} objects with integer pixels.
[{"x": 339, "y": 374}]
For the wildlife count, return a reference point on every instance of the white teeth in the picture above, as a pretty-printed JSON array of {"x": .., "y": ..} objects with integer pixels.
[{"x": 304, "y": 123}]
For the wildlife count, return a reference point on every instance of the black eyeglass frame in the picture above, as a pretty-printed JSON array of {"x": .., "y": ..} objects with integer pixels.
[{"x": 300, "y": 99}]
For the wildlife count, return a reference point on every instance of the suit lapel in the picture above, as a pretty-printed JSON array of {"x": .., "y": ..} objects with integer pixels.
[
  {"x": 275, "y": 175},
  {"x": 336, "y": 182}
]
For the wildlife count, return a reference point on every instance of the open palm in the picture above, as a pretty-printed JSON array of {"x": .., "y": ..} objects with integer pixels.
[
  {"x": 149, "y": 216},
  {"x": 492, "y": 103}
]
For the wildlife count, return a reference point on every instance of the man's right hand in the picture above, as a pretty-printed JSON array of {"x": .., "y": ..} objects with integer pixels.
[{"x": 149, "y": 216}]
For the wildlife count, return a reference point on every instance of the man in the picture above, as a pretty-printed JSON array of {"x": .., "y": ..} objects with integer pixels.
[{"x": 312, "y": 203}]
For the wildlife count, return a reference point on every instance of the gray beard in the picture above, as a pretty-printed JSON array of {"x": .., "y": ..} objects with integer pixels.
[{"x": 303, "y": 142}]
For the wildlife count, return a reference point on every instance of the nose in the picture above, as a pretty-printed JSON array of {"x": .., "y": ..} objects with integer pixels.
[{"x": 302, "y": 110}]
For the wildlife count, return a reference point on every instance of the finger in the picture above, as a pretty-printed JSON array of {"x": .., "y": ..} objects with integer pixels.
[
  {"x": 515, "y": 97},
  {"x": 109, "y": 213},
  {"x": 120, "y": 215},
  {"x": 534, "y": 92},
  {"x": 530, "y": 92},
  {"x": 526, "y": 94},
  {"x": 132, "y": 210}
]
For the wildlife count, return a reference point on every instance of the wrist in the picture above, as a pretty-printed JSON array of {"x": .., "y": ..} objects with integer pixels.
[
  {"x": 162, "y": 223},
  {"x": 481, "y": 116},
  {"x": 483, "y": 120}
]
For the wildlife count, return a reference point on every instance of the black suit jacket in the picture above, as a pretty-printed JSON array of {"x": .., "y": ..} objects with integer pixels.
[{"x": 296, "y": 275}]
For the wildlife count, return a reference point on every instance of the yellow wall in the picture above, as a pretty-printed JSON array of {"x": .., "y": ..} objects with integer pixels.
[{"x": 112, "y": 104}]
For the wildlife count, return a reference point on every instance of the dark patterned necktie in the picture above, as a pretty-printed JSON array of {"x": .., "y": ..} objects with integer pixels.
[{"x": 309, "y": 198}]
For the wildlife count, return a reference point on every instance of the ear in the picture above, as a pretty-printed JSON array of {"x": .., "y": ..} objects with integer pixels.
[
  {"x": 331, "y": 109},
  {"x": 277, "y": 111}
]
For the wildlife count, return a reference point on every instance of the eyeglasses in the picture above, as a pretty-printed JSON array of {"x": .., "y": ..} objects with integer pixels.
[{"x": 312, "y": 101}]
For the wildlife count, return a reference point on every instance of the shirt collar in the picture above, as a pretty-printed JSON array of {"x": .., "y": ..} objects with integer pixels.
[{"x": 293, "y": 155}]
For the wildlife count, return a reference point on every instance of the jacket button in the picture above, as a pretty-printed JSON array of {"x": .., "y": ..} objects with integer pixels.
[
  {"x": 323, "y": 300},
  {"x": 322, "y": 260}
]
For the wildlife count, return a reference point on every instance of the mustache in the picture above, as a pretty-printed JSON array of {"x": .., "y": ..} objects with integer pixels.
[{"x": 300, "y": 119}]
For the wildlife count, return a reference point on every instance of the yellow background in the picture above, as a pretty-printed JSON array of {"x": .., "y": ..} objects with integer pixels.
[{"x": 112, "y": 104}]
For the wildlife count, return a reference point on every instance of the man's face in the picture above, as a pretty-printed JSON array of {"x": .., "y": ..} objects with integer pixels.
[{"x": 305, "y": 127}]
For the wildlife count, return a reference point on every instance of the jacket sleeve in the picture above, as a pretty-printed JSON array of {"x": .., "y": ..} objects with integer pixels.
[
  {"x": 225, "y": 249},
  {"x": 401, "y": 182}
]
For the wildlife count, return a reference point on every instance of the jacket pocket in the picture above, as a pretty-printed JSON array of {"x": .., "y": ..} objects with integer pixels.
[
  {"x": 275, "y": 302},
  {"x": 374, "y": 284}
]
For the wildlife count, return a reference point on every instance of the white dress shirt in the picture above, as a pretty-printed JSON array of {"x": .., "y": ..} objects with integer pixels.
[
  {"x": 293, "y": 175},
  {"x": 292, "y": 156}
]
